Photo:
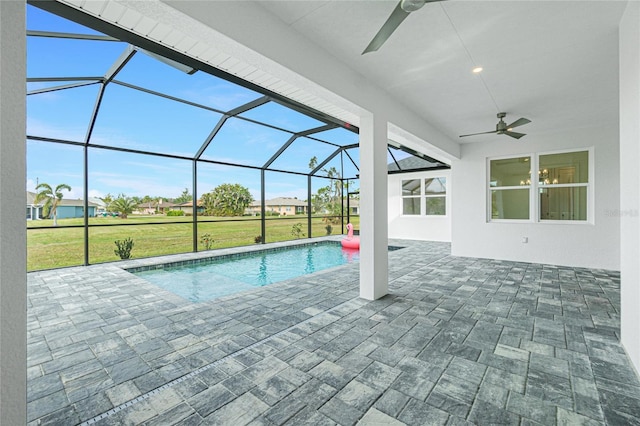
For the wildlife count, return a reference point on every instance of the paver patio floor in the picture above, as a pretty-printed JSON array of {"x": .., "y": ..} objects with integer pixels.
[{"x": 457, "y": 341}]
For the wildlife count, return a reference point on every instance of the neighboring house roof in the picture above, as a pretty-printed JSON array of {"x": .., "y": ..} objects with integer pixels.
[
  {"x": 161, "y": 205},
  {"x": 97, "y": 201},
  {"x": 76, "y": 202},
  {"x": 280, "y": 201},
  {"x": 188, "y": 204},
  {"x": 411, "y": 163}
]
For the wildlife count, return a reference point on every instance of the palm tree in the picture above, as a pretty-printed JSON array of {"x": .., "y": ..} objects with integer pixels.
[
  {"x": 123, "y": 205},
  {"x": 51, "y": 199}
]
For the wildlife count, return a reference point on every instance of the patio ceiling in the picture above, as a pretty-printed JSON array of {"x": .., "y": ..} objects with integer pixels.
[{"x": 554, "y": 62}]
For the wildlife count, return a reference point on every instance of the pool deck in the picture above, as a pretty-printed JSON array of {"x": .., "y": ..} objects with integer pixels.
[{"x": 457, "y": 341}]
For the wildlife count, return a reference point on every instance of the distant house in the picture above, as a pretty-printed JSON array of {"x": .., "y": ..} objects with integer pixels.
[
  {"x": 101, "y": 205},
  {"x": 155, "y": 207},
  {"x": 67, "y": 208},
  {"x": 354, "y": 206},
  {"x": 187, "y": 207},
  {"x": 281, "y": 205}
]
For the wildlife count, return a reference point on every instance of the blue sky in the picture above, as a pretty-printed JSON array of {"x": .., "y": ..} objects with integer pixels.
[{"x": 138, "y": 120}]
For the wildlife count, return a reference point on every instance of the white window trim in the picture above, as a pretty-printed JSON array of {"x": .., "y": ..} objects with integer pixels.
[
  {"x": 534, "y": 189},
  {"x": 423, "y": 196}
]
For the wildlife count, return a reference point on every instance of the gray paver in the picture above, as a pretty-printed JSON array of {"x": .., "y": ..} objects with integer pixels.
[{"x": 457, "y": 341}]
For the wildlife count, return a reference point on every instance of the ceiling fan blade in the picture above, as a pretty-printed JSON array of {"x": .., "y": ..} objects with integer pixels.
[
  {"x": 395, "y": 19},
  {"x": 514, "y": 134},
  {"x": 519, "y": 122},
  {"x": 481, "y": 133}
]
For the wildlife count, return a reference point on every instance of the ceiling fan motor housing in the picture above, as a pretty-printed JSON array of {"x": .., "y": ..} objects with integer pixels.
[
  {"x": 411, "y": 5},
  {"x": 501, "y": 126}
]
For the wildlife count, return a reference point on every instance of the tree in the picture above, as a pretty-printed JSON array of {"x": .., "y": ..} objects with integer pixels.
[
  {"x": 123, "y": 205},
  {"x": 328, "y": 199},
  {"x": 51, "y": 198},
  {"x": 227, "y": 200},
  {"x": 184, "y": 197},
  {"x": 107, "y": 200}
]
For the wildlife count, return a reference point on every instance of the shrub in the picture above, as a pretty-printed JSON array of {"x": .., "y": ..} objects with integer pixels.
[
  {"x": 207, "y": 241},
  {"x": 124, "y": 248},
  {"x": 296, "y": 230},
  {"x": 175, "y": 213}
]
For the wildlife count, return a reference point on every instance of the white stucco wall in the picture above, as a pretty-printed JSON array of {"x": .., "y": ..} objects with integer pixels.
[
  {"x": 595, "y": 245},
  {"x": 13, "y": 242},
  {"x": 630, "y": 180},
  {"x": 428, "y": 228}
]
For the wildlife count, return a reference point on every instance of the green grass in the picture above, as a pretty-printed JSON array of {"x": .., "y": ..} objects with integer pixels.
[{"x": 63, "y": 246}]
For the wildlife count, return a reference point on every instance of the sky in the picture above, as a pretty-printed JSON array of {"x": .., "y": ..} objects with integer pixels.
[{"x": 138, "y": 120}]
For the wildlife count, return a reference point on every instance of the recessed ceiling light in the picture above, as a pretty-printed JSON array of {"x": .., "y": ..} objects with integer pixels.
[{"x": 477, "y": 70}]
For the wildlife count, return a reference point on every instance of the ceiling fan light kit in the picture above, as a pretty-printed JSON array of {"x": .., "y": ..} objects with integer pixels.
[{"x": 503, "y": 128}]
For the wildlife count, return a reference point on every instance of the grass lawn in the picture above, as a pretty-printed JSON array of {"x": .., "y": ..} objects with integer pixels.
[{"x": 63, "y": 246}]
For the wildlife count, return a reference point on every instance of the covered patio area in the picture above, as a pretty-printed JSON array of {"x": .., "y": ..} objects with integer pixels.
[{"x": 457, "y": 340}]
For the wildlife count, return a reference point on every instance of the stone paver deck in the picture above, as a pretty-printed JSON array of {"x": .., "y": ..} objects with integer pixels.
[{"x": 457, "y": 341}]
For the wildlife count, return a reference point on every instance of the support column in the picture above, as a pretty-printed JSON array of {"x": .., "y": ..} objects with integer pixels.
[
  {"x": 13, "y": 199},
  {"x": 630, "y": 181},
  {"x": 374, "y": 266}
]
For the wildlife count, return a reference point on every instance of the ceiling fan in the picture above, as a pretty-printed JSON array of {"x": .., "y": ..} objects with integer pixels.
[
  {"x": 503, "y": 129},
  {"x": 399, "y": 14}
]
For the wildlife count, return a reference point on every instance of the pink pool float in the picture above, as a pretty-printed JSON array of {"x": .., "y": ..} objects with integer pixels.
[{"x": 350, "y": 241}]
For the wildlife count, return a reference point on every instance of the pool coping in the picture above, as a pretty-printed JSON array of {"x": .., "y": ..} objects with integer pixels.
[
  {"x": 207, "y": 256},
  {"x": 224, "y": 256}
]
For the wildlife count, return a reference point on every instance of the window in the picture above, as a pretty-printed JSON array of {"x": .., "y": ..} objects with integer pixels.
[
  {"x": 435, "y": 192},
  {"x": 510, "y": 181},
  {"x": 560, "y": 192},
  {"x": 411, "y": 193},
  {"x": 564, "y": 184},
  {"x": 432, "y": 190}
]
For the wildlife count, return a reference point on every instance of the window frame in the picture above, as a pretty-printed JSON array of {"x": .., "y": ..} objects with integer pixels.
[
  {"x": 528, "y": 185},
  {"x": 423, "y": 196},
  {"x": 420, "y": 197},
  {"x": 534, "y": 187}
]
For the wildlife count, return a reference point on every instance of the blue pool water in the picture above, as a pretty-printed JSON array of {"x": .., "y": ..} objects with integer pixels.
[{"x": 217, "y": 278}]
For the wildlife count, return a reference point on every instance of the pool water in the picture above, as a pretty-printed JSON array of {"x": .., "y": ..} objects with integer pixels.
[{"x": 217, "y": 278}]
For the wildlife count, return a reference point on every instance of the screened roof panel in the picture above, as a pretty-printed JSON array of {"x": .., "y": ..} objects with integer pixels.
[
  {"x": 55, "y": 57},
  {"x": 391, "y": 162},
  {"x": 63, "y": 114},
  {"x": 407, "y": 161},
  {"x": 201, "y": 88},
  {"x": 243, "y": 142},
  {"x": 280, "y": 116},
  {"x": 55, "y": 163},
  {"x": 39, "y": 20},
  {"x": 117, "y": 172},
  {"x": 138, "y": 120},
  {"x": 334, "y": 163},
  {"x": 297, "y": 156},
  {"x": 212, "y": 175},
  {"x": 284, "y": 185},
  {"x": 338, "y": 136},
  {"x": 350, "y": 170}
]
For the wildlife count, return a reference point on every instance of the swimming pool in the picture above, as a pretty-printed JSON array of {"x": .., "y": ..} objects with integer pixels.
[{"x": 212, "y": 278}]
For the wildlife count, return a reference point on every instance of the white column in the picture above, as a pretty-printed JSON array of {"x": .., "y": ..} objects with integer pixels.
[
  {"x": 13, "y": 199},
  {"x": 374, "y": 266},
  {"x": 630, "y": 181}
]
